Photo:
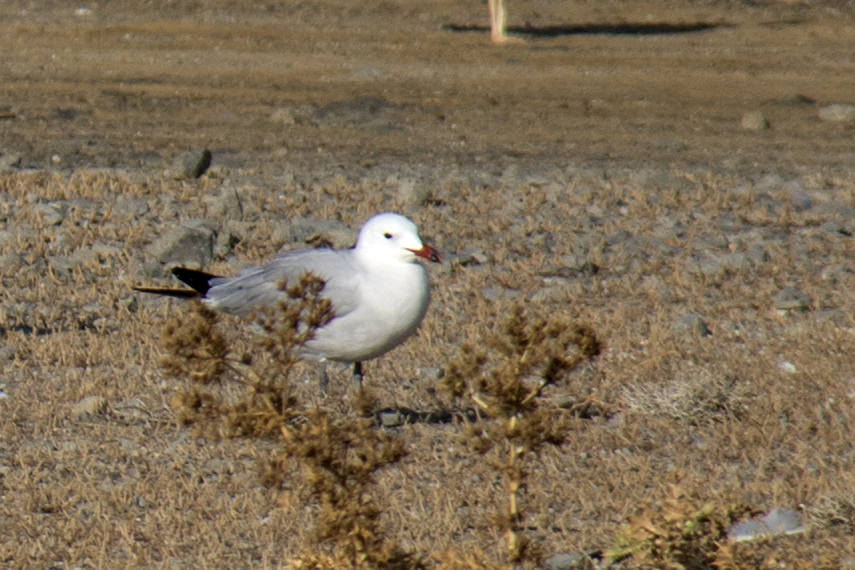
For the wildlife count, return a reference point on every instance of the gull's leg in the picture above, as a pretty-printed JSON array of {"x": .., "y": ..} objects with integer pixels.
[
  {"x": 357, "y": 375},
  {"x": 322, "y": 372}
]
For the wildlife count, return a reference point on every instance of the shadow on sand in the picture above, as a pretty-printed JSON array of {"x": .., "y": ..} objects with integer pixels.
[{"x": 645, "y": 29}]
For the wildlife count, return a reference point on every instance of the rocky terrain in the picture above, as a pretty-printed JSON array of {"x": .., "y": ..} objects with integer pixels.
[{"x": 677, "y": 175}]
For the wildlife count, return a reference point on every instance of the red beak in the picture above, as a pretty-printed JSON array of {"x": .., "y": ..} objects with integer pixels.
[{"x": 429, "y": 253}]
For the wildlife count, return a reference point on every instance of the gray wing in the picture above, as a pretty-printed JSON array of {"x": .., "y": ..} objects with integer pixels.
[{"x": 256, "y": 287}]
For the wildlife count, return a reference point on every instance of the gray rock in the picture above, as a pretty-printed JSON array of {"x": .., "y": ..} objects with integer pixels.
[
  {"x": 189, "y": 165},
  {"x": 497, "y": 293},
  {"x": 51, "y": 214},
  {"x": 690, "y": 324},
  {"x": 89, "y": 408},
  {"x": 8, "y": 351},
  {"x": 390, "y": 419},
  {"x": 837, "y": 113},
  {"x": 190, "y": 245},
  {"x": 756, "y": 253},
  {"x": 62, "y": 264},
  {"x": 225, "y": 243},
  {"x": 127, "y": 208},
  {"x": 660, "y": 179},
  {"x": 10, "y": 160},
  {"x": 471, "y": 256},
  {"x": 754, "y": 121},
  {"x": 10, "y": 264},
  {"x": 552, "y": 292},
  {"x": 318, "y": 232},
  {"x": 799, "y": 199},
  {"x": 431, "y": 372},
  {"x": 569, "y": 561},
  {"x": 768, "y": 183},
  {"x": 791, "y": 299},
  {"x": 283, "y": 116},
  {"x": 412, "y": 193},
  {"x": 228, "y": 206}
]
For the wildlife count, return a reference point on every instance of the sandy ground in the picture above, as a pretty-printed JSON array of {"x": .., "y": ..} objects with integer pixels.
[
  {"x": 284, "y": 84},
  {"x": 597, "y": 172}
]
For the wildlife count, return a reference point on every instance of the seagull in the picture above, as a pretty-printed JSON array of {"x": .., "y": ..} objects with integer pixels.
[{"x": 378, "y": 291}]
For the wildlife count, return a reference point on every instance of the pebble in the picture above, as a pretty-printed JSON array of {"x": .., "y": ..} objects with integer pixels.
[
  {"x": 412, "y": 193},
  {"x": 190, "y": 245},
  {"x": 51, "y": 214},
  {"x": 837, "y": 113},
  {"x": 754, "y": 121},
  {"x": 569, "y": 561},
  {"x": 228, "y": 206},
  {"x": 10, "y": 264},
  {"x": 189, "y": 165},
  {"x": 791, "y": 299},
  {"x": 799, "y": 199},
  {"x": 690, "y": 324},
  {"x": 127, "y": 208},
  {"x": 8, "y": 161},
  {"x": 89, "y": 408}
]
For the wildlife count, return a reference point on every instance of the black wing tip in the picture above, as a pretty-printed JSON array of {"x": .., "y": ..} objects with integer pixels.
[{"x": 197, "y": 280}]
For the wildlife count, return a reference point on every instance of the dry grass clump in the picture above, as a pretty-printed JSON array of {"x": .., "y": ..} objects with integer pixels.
[
  {"x": 530, "y": 354},
  {"x": 681, "y": 533},
  {"x": 339, "y": 458},
  {"x": 698, "y": 396}
]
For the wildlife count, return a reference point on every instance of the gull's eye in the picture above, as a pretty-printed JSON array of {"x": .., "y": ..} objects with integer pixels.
[{"x": 387, "y": 235}]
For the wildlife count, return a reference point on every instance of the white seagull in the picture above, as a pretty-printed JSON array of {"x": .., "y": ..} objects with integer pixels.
[{"x": 378, "y": 291}]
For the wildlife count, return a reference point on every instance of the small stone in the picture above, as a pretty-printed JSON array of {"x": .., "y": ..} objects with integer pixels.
[
  {"x": 837, "y": 113},
  {"x": 225, "y": 243},
  {"x": 89, "y": 408},
  {"x": 498, "y": 293},
  {"x": 10, "y": 264},
  {"x": 228, "y": 206},
  {"x": 754, "y": 121},
  {"x": 411, "y": 193},
  {"x": 756, "y": 253},
  {"x": 8, "y": 351},
  {"x": 51, "y": 214},
  {"x": 569, "y": 561},
  {"x": 282, "y": 116},
  {"x": 190, "y": 245},
  {"x": 8, "y": 161},
  {"x": 791, "y": 299},
  {"x": 472, "y": 256},
  {"x": 127, "y": 208},
  {"x": 799, "y": 199},
  {"x": 62, "y": 264},
  {"x": 389, "y": 419},
  {"x": 690, "y": 324},
  {"x": 189, "y": 165},
  {"x": 431, "y": 372}
]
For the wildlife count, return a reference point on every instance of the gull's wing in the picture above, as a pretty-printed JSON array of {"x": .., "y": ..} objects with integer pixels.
[{"x": 256, "y": 287}]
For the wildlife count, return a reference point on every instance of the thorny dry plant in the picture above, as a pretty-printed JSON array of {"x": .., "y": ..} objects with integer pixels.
[
  {"x": 681, "y": 533},
  {"x": 339, "y": 456},
  {"x": 533, "y": 353}
]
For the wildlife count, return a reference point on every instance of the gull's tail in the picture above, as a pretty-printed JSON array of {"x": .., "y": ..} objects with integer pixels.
[{"x": 199, "y": 281}]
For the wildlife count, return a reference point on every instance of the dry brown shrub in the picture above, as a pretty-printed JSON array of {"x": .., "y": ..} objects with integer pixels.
[
  {"x": 339, "y": 457},
  {"x": 528, "y": 354},
  {"x": 680, "y": 533}
]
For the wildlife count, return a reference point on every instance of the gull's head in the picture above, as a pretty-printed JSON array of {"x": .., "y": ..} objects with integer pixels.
[{"x": 393, "y": 237}]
